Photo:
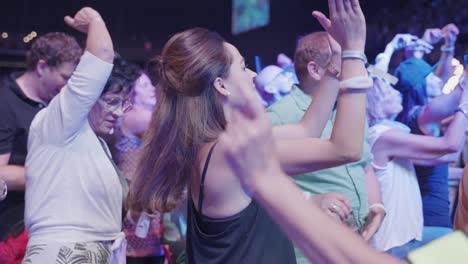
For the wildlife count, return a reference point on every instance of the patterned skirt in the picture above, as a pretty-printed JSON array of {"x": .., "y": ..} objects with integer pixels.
[{"x": 105, "y": 252}]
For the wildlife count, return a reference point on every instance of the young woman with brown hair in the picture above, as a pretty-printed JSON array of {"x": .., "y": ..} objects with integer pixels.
[{"x": 200, "y": 75}]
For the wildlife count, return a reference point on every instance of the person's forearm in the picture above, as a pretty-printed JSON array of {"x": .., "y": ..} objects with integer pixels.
[
  {"x": 321, "y": 239},
  {"x": 445, "y": 159},
  {"x": 13, "y": 176},
  {"x": 445, "y": 69},
  {"x": 440, "y": 108},
  {"x": 384, "y": 61},
  {"x": 348, "y": 130},
  {"x": 99, "y": 42},
  {"x": 319, "y": 111},
  {"x": 373, "y": 187},
  {"x": 455, "y": 134}
]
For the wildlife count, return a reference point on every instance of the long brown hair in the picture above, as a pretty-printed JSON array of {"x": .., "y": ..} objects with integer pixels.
[{"x": 188, "y": 114}]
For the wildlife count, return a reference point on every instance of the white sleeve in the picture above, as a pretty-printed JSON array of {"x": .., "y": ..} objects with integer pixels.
[
  {"x": 67, "y": 113},
  {"x": 382, "y": 61},
  {"x": 434, "y": 85},
  {"x": 375, "y": 132}
]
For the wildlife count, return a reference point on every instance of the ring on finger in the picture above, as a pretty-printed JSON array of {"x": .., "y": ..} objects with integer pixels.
[{"x": 334, "y": 208}]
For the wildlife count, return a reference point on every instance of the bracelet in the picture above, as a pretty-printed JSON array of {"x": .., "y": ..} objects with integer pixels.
[
  {"x": 354, "y": 54},
  {"x": 307, "y": 195},
  {"x": 463, "y": 111},
  {"x": 447, "y": 49},
  {"x": 5, "y": 190},
  {"x": 359, "y": 82},
  {"x": 378, "y": 205}
]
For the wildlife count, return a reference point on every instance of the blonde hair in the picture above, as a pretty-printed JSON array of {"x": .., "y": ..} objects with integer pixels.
[{"x": 375, "y": 101}]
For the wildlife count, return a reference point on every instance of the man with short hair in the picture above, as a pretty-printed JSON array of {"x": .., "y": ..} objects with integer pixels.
[
  {"x": 314, "y": 58},
  {"x": 50, "y": 62}
]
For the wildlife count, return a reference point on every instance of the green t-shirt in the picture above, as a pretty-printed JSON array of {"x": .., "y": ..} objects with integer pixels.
[{"x": 347, "y": 180}]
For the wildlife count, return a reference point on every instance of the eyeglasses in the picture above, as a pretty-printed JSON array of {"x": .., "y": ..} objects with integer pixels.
[{"x": 112, "y": 104}]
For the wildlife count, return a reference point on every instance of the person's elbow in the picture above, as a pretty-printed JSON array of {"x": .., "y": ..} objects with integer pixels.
[
  {"x": 106, "y": 53},
  {"x": 352, "y": 154},
  {"x": 451, "y": 148}
]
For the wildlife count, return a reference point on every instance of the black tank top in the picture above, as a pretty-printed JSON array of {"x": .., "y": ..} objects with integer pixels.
[{"x": 249, "y": 237}]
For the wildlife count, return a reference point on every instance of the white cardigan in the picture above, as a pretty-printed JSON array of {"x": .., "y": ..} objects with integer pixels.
[{"x": 73, "y": 193}]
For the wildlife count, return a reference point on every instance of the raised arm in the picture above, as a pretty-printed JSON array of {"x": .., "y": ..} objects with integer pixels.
[
  {"x": 382, "y": 60},
  {"x": 394, "y": 143},
  {"x": 347, "y": 26},
  {"x": 98, "y": 41},
  {"x": 445, "y": 159},
  {"x": 442, "y": 107},
  {"x": 319, "y": 111},
  {"x": 445, "y": 69},
  {"x": 68, "y": 111},
  {"x": 248, "y": 148}
]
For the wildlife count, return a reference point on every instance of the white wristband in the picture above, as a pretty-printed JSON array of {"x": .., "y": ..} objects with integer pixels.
[
  {"x": 354, "y": 54},
  {"x": 360, "y": 82},
  {"x": 378, "y": 205},
  {"x": 447, "y": 49}
]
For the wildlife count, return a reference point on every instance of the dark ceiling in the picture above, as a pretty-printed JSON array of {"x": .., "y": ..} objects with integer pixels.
[{"x": 136, "y": 24}]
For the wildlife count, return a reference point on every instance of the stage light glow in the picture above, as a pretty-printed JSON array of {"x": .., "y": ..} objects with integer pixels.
[{"x": 453, "y": 81}]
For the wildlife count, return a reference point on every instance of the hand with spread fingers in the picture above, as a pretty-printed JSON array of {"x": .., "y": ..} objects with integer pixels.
[
  {"x": 346, "y": 23},
  {"x": 82, "y": 19}
]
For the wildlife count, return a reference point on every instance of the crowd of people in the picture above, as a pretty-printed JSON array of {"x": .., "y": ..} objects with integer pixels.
[{"x": 197, "y": 159}]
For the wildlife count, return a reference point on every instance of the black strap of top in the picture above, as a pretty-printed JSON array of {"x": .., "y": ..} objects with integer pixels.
[{"x": 202, "y": 183}]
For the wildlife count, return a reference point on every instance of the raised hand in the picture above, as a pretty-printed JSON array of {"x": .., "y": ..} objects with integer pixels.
[
  {"x": 450, "y": 33},
  {"x": 346, "y": 24},
  {"x": 421, "y": 45},
  {"x": 335, "y": 49},
  {"x": 407, "y": 40},
  {"x": 82, "y": 19},
  {"x": 432, "y": 35}
]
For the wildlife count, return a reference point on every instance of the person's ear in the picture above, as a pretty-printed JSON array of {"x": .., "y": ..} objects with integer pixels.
[
  {"x": 42, "y": 68},
  {"x": 313, "y": 69},
  {"x": 220, "y": 86}
]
